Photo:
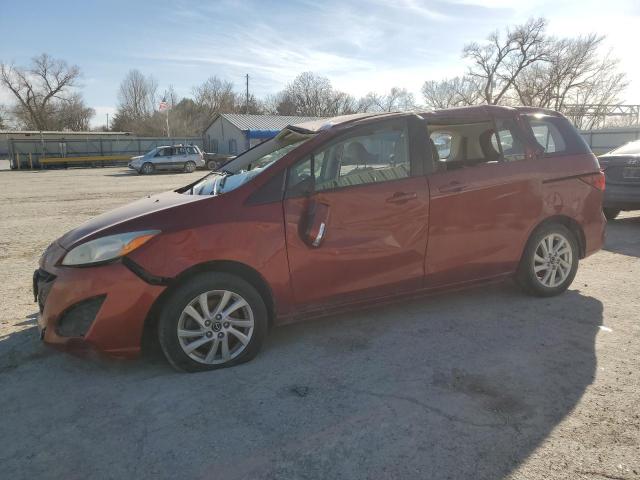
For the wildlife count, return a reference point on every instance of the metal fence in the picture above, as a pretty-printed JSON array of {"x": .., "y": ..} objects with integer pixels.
[
  {"x": 602, "y": 141},
  {"x": 46, "y": 152}
]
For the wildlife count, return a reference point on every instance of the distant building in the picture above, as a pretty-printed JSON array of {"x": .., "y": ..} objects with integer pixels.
[{"x": 232, "y": 134}]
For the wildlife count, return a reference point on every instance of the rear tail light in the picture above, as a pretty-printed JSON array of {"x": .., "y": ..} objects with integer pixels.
[{"x": 596, "y": 180}]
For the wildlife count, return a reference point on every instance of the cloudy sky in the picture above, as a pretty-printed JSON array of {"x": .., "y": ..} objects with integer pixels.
[{"x": 361, "y": 46}]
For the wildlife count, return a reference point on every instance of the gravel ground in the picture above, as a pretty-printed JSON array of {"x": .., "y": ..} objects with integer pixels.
[{"x": 486, "y": 383}]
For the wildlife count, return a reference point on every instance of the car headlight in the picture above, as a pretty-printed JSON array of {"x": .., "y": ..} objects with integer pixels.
[{"x": 107, "y": 248}]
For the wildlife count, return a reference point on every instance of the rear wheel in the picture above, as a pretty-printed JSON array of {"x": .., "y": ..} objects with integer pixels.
[
  {"x": 214, "y": 320},
  {"x": 147, "y": 169},
  {"x": 550, "y": 261},
  {"x": 212, "y": 164},
  {"x": 610, "y": 213},
  {"x": 189, "y": 167}
]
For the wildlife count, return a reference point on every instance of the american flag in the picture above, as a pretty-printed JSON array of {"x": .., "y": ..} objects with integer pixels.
[{"x": 164, "y": 105}]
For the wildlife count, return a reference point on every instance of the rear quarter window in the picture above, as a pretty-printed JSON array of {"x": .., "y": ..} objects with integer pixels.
[{"x": 555, "y": 135}]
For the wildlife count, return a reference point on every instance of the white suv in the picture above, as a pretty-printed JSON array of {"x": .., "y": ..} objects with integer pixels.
[{"x": 177, "y": 157}]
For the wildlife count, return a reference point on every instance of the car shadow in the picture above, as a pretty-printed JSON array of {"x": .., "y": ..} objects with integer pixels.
[
  {"x": 623, "y": 235},
  {"x": 136, "y": 174},
  {"x": 463, "y": 385}
]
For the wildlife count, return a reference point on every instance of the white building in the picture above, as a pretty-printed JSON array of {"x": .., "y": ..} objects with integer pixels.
[{"x": 232, "y": 134}]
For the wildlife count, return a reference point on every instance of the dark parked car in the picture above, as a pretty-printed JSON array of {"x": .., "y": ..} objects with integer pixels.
[
  {"x": 214, "y": 161},
  {"x": 622, "y": 169},
  {"x": 328, "y": 216}
]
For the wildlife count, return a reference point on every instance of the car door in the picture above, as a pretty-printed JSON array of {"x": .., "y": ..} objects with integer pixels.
[
  {"x": 179, "y": 158},
  {"x": 163, "y": 158},
  {"x": 485, "y": 195},
  {"x": 356, "y": 218},
  {"x": 192, "y": 154}
]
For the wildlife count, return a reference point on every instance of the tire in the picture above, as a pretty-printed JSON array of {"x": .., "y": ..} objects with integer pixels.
[
  {"x": 212, "y": 165},
  {"x": 555, "y": 271},
  {"x": 610, "y": 213},
  {"x": 147, "y": 169},
  {"x": 189, "y": 167},
  {"x": 180, "y": 313}
]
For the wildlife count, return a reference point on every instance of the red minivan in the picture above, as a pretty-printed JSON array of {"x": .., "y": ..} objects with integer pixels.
[{"x": 325, "y": 217}]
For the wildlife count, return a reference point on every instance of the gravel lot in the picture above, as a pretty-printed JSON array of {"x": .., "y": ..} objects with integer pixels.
[{"x": 486, "y": 383}]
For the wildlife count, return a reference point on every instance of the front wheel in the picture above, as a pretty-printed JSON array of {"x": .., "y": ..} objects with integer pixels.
[
  {"x": 214, "y": 320},
  {"x": 610, "y": 213},
  {"x": 189, "y": 167},
  {"x": 147, "y": 169},
  {"x": 550, "y": 261}
]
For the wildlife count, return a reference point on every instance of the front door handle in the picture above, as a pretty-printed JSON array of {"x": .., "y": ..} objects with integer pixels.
[
  {"x": 313, "y": 227},
  {"x": 318, "y": 240},
  {"x": 454, "y": 186},
  {"x": 402, "y": 197}
]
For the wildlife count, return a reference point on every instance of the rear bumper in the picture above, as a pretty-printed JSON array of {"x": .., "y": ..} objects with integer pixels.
[
  {"x": 623, "y": 197},
  {"x": 594, "y": 234},
  {"x": 118, "y": 325}
]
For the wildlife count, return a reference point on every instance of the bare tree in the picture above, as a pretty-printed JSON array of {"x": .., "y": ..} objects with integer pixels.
[
  {"x": 452, "y": 92},
  {"x": 72, "y": 113},
  {"x": 254, "y": 107},
  {"x": 280, "y": 104},
  {"x": 216, "y": 96},
  {"x": 312, "y": 94},
  {"x": 4, "y": 122},
  {"x": 496, "y": 64},
  {"x": 38, "y": 87},
  {"x": 574, "y": 78},
  {"x": 397, "y": 99},
  {"x": 137, "y": 96}
]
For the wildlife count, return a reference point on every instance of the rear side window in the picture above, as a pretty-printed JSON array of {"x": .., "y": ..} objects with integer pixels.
[
  {"x": 556, "y": 135},
  {"x": 508, "y": 140},
  {"x": 460, "y": 144}
]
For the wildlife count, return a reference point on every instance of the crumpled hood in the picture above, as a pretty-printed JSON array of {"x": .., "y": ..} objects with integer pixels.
[{"x": 136, "y": 215}]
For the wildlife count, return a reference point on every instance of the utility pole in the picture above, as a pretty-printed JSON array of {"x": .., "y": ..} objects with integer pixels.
[
  {"x": 247, "y": 104},
  {"x": 107, "y": 121}
]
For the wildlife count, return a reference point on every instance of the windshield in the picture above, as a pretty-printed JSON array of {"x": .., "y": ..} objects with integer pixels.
[
  {"x": 231, "y": 178},
  {"x": 631, "y": 148}
]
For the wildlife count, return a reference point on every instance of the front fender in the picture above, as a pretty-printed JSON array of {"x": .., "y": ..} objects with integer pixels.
[{"x": 254, "y": 238}]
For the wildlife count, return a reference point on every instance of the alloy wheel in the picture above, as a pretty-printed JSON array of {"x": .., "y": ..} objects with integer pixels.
[
  {"x": 215, "y": 327},
  {"x": 552, "y": 260}
]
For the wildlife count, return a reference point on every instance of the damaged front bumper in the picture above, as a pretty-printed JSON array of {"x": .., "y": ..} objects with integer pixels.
[{"x": 102, "y": 307}]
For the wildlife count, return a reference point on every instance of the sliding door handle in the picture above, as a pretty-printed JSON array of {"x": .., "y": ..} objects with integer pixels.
[
  {"x": 452, "y": 187},
  {"x": 402, "y": 197}
]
